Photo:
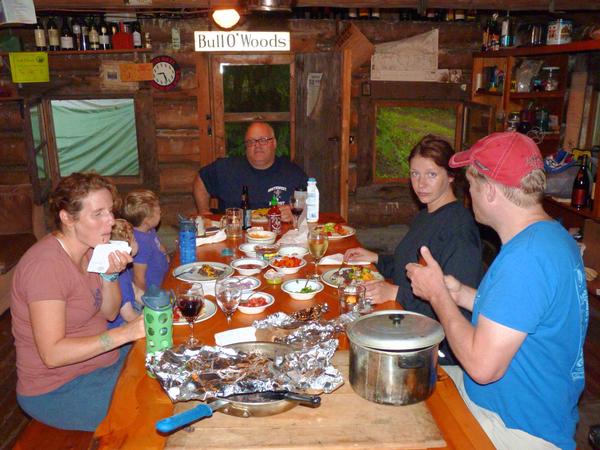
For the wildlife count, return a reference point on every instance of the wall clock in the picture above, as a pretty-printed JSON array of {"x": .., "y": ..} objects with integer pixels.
[{"x": 166, "y": 73}]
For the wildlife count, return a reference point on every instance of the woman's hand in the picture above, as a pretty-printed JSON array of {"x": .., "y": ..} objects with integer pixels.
[
  {"x": 360, "y": 254},
  {"x": 380, "y": 291},
  {"x": 117, "y": 261}
]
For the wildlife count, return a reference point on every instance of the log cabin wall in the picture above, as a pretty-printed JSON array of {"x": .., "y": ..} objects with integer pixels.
[{"x": 179, "y": 120}]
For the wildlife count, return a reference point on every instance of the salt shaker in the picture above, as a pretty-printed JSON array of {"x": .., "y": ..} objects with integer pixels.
[{"x": 200, "y": 231}]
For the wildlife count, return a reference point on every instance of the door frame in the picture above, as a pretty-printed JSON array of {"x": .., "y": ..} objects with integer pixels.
[{"x": 218, "y": 139}]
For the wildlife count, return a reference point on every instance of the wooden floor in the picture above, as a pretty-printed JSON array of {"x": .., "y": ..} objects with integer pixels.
[{"x": 13, "y": 421}]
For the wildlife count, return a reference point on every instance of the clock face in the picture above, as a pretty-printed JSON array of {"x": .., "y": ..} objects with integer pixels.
[{"x": 166, "y": 72}]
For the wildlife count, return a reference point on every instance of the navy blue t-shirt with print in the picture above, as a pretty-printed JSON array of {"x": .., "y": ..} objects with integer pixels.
[{"x": 225, "y": 178}]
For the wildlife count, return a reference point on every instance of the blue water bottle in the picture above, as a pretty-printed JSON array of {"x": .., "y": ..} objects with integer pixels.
[{"x": 187, "y": 241}]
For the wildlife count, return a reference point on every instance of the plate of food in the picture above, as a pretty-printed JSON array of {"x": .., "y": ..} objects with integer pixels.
[
  {"x": 335, "y": 277},
  {"x": 337, "y": 230},
  {"x": 260, "y": 215},
  {"x": 202, "y": 271},
  {"x": 208, "y": 310}
]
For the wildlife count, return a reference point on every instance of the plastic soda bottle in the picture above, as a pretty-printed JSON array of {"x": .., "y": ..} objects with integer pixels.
[{"x": 312, "y": 201}]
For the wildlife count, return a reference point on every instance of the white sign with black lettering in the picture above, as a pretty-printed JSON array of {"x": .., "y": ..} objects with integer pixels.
[{"x": 242, "y": 41}]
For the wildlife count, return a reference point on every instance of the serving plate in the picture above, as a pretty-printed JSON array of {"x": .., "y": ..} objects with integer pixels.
[
  {"x": 209, "y": 309},
  {"x": 192, "y": 274},
  {"x": 333, "y": 279},
  {"x": 348, "y": 231}
]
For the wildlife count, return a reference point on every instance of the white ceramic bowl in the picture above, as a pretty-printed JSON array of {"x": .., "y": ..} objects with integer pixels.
[
  {"x": 259, "y": 236},
  {"x": 248, "y": 266},
  {"x": 293, "y": 288},
  {"x": 293, "y": 250},
  {"x": 244, "y": 308},
  {"x": 249, "y": 284},
  {"x": 287, "y": 270},
  {"x": 248, "y": 249}
]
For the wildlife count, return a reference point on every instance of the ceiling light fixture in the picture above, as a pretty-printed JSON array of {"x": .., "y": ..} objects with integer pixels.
[
  {"x": 270, "y": 5},
  {"x": 226, "y": 18}
]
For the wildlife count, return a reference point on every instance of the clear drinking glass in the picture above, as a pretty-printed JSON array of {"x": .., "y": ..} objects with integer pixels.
[
  {"x": 190, "y": 302},
  {"x": 318, "y": 241},
  {"x": 228, "y": 293},
  {"x": 297, "y": 206}
]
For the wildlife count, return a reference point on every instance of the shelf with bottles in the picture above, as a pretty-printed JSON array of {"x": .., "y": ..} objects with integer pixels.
[{"x": 91, "y": 52}]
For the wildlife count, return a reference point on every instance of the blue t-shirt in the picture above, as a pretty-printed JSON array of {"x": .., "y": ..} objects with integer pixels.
[
  {"x": 149, "y": 253},
  {"x": 127, "y": 295},
  {"x": 536, "y": 285},
  {"x": 225, "y": 177}
]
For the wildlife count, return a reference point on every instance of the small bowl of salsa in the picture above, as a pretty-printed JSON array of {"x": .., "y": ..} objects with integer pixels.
[
  {"x": 248, "y": 266},
  {"x": 256, "y": 303}
]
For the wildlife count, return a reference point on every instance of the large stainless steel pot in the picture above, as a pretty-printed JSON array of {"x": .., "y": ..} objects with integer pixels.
[{"x": 393, "y": 356}]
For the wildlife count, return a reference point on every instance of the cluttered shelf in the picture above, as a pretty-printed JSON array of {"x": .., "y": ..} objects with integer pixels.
[
  {"x": 486, "y": 92},
  {"x": 92, "y": 52},
  {"x": 569, "y": 216},
  {"x": 572, "y": 47},
  {"x": 537, "y": 95}
]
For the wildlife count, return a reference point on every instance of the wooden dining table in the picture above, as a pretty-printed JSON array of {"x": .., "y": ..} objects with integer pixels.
[{"x": 139, "y": 401}]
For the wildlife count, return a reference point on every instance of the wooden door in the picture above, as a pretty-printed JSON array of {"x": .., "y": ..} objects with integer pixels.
[{"x": 319, "y": 123}]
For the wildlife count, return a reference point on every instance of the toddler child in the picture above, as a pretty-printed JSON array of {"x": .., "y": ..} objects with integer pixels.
[
  {"x": 142, "y": 209},
  {"x": 130, "y": 308}
]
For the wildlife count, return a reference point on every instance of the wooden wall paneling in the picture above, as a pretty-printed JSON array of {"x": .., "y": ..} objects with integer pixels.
[
  {"x": 177, "y": 178},
  {"x": 363, "y": 140},
  {"x": 217, "y": 107},
  {"x": 12, "y": 150},
  {"x": 346, "y": 100},
  {"x": 12, "y": 175},
  {"x": 146, "y": 138},
  {"x": 10, "y": 117},
  {"x": 175, "y": 114},
  {"x": 579, "y": 77},
  {"x": 178, "y": 145},
  {"x": 207, "y": 152}
]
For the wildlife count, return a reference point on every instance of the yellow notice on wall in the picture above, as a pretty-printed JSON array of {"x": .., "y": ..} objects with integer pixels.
[{"x": 29, "y": 67}]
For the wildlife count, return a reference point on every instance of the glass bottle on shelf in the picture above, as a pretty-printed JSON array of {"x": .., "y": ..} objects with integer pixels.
[
  {"x": 39, "y": 35},
  {"x": 137, "y": 35},
  {"x": 506, "y": 38},
  {"x": 94, "y": 37},
  {"x": 85, "y": 34},
  {"x": 581, "y": 186},
  {"x": 104, "y": 35},
  {"x": 53, "y": 35},
  {"x": 550, "y": 78},
  {"x": 66, "y": 37},
  {"x": 76, "y": 27}
]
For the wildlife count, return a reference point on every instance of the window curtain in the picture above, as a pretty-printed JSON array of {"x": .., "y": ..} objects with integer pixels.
[{"x": 98, "y": 135}]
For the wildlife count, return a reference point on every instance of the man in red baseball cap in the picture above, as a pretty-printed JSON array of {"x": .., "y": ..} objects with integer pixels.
[{"x": 522, "y": 353}]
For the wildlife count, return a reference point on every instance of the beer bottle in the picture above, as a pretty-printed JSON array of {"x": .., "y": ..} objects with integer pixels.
[
  {"x": 246, "y": 211},
  {"x": 581, "y": 186}
]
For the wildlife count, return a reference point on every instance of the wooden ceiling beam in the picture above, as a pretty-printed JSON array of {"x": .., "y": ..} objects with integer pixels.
[{"x": 133, "y": 5}]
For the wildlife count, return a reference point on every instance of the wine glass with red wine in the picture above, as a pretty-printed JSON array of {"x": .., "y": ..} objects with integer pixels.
[
  {"x": 297, "y": 206},
  {"x": 190, "y": 302}
]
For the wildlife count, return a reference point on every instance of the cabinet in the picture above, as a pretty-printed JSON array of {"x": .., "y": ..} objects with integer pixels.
[{"x": 494, "y": 83}]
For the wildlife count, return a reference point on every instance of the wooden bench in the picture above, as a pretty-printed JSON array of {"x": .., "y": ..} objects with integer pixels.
[{"x": 39, "y": 436}]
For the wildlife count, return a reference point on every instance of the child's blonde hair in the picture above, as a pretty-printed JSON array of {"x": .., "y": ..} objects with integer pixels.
[
  {"x": 139, "y": 204},
  {"x": 122, "y": 231}
]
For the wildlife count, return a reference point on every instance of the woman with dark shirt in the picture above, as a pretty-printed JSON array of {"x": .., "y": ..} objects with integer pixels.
[{"x": 444, "y": 226}]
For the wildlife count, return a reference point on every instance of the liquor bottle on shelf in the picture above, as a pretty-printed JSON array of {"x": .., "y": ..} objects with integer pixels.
[
  {"x": 147, "y": 40},
  {"x": 76, "y": 28},
  {"x": 353, "y": 13},
  {"x": 364, "y": 14},
  {"x": 459, "y": 15},
  {"x": 122, "y": 39},
  {"x": 580, "y": 196},
  {"x": 94, "y": 37},
  {"x": 53, "y": 35},
  {"x": 506, "y": 38},
  {"x": 104, "y": 35},
  {"x": 85, "y": 33},
  {"x": 375, "y": 14},
  {"x": 66, "y": 37},
  {"x": 246, "y": 211},
  {"x": 137, "y": 35},
  {"x": 41, "y": 44}
]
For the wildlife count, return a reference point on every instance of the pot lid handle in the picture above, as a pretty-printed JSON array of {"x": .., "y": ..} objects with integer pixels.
[{"x": 396, "y": 319}]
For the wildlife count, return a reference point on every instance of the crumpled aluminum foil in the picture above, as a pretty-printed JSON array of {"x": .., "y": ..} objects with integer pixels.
[{"x": 209, "y": 372}]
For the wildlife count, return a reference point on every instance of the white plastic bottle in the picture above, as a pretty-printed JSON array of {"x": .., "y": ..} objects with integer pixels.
[{"x": 312, "y": 201}]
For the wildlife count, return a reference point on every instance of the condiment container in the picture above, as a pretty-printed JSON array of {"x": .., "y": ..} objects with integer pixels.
[
  {"x": 559, "y": 32},
  {"x": 394, "y": 356}
]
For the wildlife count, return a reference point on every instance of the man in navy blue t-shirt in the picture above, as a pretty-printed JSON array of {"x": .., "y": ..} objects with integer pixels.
[{"x": 263, "y": 173}]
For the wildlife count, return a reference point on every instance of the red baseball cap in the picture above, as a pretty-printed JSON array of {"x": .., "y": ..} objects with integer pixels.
[{"x": 505, "y": 157}]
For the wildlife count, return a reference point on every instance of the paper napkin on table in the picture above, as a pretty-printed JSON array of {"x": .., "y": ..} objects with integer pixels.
[
  {"x": 245, "y": 334},
  {"x": 337, "y": 258},
  {"x": 299, "y": 236},
  {"x": 99, "y": 260},
  {"x": 218, "y": 237}
]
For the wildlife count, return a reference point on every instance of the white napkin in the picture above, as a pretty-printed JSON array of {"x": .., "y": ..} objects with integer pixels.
[
  {"x": 99, "y": 260},
  {"x": 218, "y": 237},
  {"x": 245, "y": 334},
  {"x": 297, "y": 237},
  {"x": 337, "y": 258}
]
